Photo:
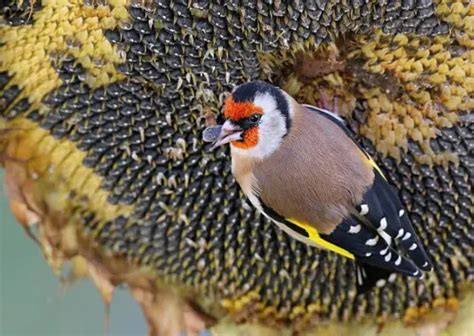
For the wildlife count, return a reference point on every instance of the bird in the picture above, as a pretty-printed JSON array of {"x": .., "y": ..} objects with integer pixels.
[{"x": 300, "y": 166}]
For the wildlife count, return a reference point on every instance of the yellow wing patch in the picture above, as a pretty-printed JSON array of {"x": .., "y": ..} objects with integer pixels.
[
  {"x": 316, "y": 238},
  {"x": 372, "y": 163}
]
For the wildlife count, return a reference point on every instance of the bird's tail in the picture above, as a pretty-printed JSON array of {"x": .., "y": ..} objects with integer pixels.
[{"x": 369, "y": 276}]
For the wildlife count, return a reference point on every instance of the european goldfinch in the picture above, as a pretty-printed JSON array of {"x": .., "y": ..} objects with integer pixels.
[{"x": 300, "y": 167}]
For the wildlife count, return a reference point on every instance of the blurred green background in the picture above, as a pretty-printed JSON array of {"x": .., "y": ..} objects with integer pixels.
[{"x": 32, "y": 301}]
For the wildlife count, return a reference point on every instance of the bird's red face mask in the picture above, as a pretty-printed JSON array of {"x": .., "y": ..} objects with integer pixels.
[{"x": 240, "y": 127}]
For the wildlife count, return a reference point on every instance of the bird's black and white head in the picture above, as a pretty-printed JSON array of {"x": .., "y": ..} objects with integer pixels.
[{"x": 257, "y": 118}]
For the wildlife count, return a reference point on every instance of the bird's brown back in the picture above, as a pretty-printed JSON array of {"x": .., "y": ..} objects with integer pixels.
[{"x": 317, "y": 175}]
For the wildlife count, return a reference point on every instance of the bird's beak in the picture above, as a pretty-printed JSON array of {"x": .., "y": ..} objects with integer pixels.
[{"x": 222, "y": 134}]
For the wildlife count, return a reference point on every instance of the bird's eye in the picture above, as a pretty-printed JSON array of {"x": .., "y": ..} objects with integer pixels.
[{"x": 255, "y": 118}]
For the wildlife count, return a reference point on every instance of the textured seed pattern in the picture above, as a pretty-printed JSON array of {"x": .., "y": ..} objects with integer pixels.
[
  {"x": 130, "y": 86},
  {"x": 415, "y": 85},
  {"x": 18, "y": 13}
]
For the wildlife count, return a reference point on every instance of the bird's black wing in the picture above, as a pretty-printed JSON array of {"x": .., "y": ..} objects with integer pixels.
[{"x": 376, "y": 260}]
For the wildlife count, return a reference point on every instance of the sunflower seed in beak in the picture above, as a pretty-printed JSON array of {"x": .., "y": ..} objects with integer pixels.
[{"x": 211, "y": 134}]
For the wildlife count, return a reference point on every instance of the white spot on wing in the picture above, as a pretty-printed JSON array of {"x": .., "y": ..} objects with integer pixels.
[
  {"x": 400, "y": 233},
  {"x": 388, "y": 257},
  {"x": 383, "y": 224},
  {"x": 425, "y": 264},
  {"x": 398, "y": 261},
  {"x": 406, "y": 236},
  {"x": 386, "y": 237},
  {"x": 384, "y": 251},
  {"x": 364, "y": 209},
  {"x": 373, "y": 241},
  {"x": 368, "y": 254},
  {"x": 412, "y": 247},
  {"x": 355, "y": 229},
  {"x": 401, "y": 213}
]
